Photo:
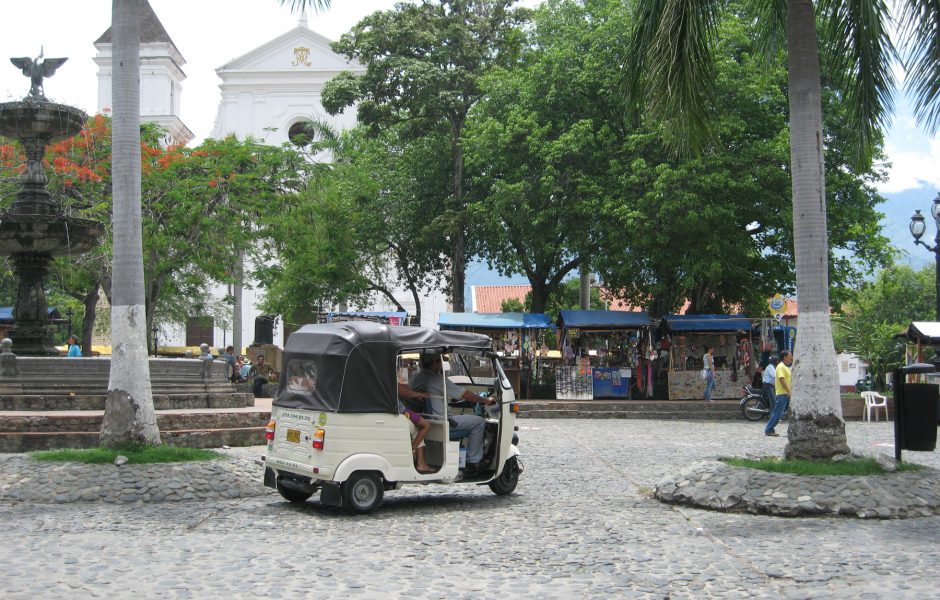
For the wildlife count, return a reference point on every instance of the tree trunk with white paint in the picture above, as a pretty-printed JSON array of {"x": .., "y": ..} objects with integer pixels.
[
  {"x": 816, "y": 430},
  {"x": 129, "y": 414}
]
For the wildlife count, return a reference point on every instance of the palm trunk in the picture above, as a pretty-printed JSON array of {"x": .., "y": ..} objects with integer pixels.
[
  {"x": 816, "y": 429},
  {"x": 129, "y": 415}
]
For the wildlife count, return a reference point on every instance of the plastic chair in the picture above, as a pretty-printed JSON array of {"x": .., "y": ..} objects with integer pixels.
[{"x": 874, "y": 400}]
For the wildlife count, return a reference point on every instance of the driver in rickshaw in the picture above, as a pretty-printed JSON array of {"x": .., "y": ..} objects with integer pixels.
[{"x": 430, "y": 380}]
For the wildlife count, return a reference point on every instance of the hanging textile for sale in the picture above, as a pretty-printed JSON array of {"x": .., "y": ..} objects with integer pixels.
[
  {"x": 744, "y": 350},
  {"x": 640, "y": 375},
  {"x": 649, "y": 380},
  {"x": 766, "y": 336}
]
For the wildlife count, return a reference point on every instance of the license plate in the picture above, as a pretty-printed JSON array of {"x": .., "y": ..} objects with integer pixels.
[{"x": 293, "y": 435}]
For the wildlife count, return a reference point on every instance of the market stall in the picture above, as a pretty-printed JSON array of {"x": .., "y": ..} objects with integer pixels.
[
  {"x": 686, "y": 338},
  {"x": 517, "y": 339},
  {"x": 605, "y": 354}
]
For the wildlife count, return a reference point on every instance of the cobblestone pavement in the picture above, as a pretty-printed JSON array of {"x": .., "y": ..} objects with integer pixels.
[{"x": 580, "y": 525}]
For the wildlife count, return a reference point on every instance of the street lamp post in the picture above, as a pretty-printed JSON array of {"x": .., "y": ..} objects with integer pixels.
[
  {"x": 918, "y": 227},
  {"x": 154, "y": 331}
]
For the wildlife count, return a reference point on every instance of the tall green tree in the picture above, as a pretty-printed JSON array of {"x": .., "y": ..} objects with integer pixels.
[
  {"x": 424, "y": 63},
  {"x": 365, "y": 227},
  {"x": 716, "y": 227},
  {"x": 870, "y": 322},
  {"x": 542, "y": 143},
  {"x": 672, "y": 66}
]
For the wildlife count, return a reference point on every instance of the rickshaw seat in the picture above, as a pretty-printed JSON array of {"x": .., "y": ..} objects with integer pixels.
[{"x": 455, "y": 434}]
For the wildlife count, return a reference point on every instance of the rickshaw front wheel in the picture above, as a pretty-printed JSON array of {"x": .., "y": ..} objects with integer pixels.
[
  {"x": 292, "y": 494},
  {"x": 362, "y": 492},
  {"x": 508, "y": 479}
]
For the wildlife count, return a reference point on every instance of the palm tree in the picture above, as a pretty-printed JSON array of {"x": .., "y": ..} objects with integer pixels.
[
  {"x": 670, "y": 67},
  {"x": 129, "y": 415}
]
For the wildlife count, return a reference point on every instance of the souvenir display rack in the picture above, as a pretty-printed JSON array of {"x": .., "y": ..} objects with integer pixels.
[{"x": 605, "y": 354}]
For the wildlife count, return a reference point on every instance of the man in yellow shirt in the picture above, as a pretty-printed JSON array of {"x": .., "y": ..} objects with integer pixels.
[{"x": 783, "y": 384}]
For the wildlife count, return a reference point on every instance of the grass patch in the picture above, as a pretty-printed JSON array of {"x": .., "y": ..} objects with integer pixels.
[
  {"x": 861, "y": 466},
  {"x": 136, "y": 454}
]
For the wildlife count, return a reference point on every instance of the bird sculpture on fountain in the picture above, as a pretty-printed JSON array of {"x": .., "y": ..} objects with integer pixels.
[{"x": 37, "y": 69}]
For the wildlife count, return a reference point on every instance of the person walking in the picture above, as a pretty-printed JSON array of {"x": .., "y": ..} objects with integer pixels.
[
  {"x": 769, "y": 381},
  {"x": 782, "y": 389},
  {"x": 708, "y": 361}
]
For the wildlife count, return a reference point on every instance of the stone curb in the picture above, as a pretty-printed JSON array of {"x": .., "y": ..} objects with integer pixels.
[
  {"x": 23, "y": 479},
  {"x": 715, "y": 485}
]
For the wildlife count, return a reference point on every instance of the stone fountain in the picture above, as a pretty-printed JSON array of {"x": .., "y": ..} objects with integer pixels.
[{"x": 35, "y": 229}]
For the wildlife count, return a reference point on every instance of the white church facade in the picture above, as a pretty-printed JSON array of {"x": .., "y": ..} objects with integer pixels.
[{"x": 267, "y": 94}]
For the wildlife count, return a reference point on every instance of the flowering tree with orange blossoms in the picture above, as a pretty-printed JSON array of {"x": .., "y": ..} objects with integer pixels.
[{"x": 199, "y": 207}]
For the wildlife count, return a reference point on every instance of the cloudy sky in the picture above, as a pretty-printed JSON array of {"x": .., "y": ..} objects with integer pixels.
[{"x": 209, "y": 33}]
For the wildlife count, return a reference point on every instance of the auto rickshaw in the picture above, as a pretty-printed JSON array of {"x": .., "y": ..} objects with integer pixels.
[{"x": 336, "y": 424}]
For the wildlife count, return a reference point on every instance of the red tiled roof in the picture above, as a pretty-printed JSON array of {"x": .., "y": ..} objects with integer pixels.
[{"x": 490, "y": 298}]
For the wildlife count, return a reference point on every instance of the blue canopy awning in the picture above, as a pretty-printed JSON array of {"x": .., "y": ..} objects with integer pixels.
[
  {"x": 6, "y": 313},
  {"x": 603, "y": 319},
  {"x": 708, "y": 323},
  {"x": 506, "y": 320}
]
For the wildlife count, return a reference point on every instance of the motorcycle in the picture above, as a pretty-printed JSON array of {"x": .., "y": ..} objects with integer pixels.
[{"x": 754, "y": 405}]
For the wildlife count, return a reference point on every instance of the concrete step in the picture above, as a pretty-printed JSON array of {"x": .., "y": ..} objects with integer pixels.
[
  {"x": 189, "y": 400},
  {"x": 631, "y": 409},
  {"x": 189, "y": 438},
  {"x": 90, "y": 421}
]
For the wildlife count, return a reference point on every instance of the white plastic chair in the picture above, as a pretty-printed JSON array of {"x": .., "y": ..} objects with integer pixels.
[{"x": 874, "y": 400}]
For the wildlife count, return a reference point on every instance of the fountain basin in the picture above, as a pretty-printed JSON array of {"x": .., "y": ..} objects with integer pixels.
[
  {"x": 53, "y": 235},
  {"x": 44, "y": 120}
]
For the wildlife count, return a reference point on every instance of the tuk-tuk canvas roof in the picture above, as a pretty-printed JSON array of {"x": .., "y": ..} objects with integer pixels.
[{"x": 355, "y": 363}]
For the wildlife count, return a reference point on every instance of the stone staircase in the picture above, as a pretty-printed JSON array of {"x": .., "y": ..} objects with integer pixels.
[
  {"x": 691, "y": 410},
  {"x": 51, "y": 402},
  {"x": 698, "y": 410}
]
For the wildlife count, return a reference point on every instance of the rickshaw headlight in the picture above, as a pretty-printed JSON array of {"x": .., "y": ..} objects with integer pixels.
[
  {"x": 269, "y": 430},
  {"x": 319, "y": 435}
]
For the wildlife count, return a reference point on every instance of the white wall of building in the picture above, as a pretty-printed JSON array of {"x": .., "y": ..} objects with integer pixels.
[
  {"x": 851, "y": 369},
  {"x": 264, "y": 93}
]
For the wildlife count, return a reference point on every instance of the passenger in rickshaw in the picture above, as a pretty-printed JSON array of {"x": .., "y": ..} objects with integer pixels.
[
  {"x": 418, "y": 426},
  {"x": 430, "y": 380}
]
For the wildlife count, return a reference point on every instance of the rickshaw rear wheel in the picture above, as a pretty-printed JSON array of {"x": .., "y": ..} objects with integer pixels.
[
  {"x": 362, "y": 492},
  {"x": 292, "y": 494},
  {"x": 508, "y": 479}
]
